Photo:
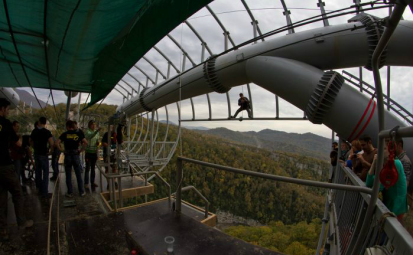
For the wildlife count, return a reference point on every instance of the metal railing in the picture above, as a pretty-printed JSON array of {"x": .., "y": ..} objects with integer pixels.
[
  {"x": 161, "y": 150},
  {"x": 348, "y": 211},
  {"x": 347, "y": 203},
  {"x": 112, "y": 177},
  {"x": 187, "y": 188}
]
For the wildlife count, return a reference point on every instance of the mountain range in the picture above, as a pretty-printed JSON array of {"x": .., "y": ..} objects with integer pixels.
[
  {"x": 306, "y": 144},
  {"x": 28, "y": 98}
]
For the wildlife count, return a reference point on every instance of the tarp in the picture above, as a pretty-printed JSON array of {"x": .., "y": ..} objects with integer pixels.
[{"x": 82, "y": 45}]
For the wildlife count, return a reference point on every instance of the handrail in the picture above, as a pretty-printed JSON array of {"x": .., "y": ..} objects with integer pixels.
[
  {"x": 199, "y": 194},
  {"x": 392, "y": 227},
  {"x": 395, "y": 232},
  {"x": 278, "y": 177},
  {"x": 119, "y": 176}
]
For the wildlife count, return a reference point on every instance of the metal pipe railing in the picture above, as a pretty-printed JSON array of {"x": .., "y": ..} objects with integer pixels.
[
  {"x": 351, "y": 210},
  {"x": 275, "y": 177},
  {"x": 187, "y": 188},
  {"x": 323, "y": 226},
  {"x": 391, "y": 27},
  {"x": 111, "y": 179}
]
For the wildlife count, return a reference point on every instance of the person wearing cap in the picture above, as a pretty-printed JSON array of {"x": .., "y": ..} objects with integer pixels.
[
  {"x": 244, "y": 104},
  {"x": 9, "y": 181},
  {"x": 91, "y": 156}
]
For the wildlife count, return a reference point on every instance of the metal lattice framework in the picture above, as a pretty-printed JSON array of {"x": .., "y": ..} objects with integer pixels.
[{"x": 148, "y": 72}]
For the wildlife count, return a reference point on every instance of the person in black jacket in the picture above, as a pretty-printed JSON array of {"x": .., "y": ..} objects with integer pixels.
[
  {"x": 72, "y": 139},
  {"x": 244, "y": 104},
  {"x": 9, "y": 181},
  {"x": 42, "y": 141}
]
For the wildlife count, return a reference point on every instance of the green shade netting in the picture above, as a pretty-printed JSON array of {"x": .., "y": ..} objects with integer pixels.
[{"x": 82, "y": 45}]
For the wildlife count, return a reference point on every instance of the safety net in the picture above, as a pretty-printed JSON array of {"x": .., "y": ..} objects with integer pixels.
[{"x": 81, "y": 45}]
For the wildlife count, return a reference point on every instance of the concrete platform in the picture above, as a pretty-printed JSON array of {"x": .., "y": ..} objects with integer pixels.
[{"x": 191, "y": 237}]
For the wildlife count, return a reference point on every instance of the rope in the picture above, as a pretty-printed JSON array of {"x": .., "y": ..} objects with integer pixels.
[
  {"x": 362, "y": 118},
  {"x": 381, "y": 225}
]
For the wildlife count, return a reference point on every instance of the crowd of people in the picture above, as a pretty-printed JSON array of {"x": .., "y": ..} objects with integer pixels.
[
  {"x": 17, "y": 151},
  {"x": 360, "y": 156}
]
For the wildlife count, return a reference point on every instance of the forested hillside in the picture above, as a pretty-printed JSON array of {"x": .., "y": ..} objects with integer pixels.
[
  {"x": 295, "y": 239},
  {"x": 245, "y": 196}
]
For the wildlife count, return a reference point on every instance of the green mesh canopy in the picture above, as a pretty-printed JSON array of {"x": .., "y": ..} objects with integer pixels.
[{"x": 82, "y": 45}]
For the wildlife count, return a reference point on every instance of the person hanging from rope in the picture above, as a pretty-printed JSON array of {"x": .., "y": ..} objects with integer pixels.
[{"x": 244, "y": 104}]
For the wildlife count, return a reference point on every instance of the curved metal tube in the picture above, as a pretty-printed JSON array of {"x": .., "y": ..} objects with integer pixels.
[{"x": 341, "y": 46}]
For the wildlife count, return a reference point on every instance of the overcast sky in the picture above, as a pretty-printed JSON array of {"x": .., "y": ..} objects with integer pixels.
[{"x": 232, "y": 14}]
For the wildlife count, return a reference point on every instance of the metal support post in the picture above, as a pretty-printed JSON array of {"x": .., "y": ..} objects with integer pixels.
[
  {"x": 120, "y": 192},
  {"x": 156, "y": 77},
  {"x": 226, "y": 40},
  {"x": 151, "y": 140},
  {"x": 203, "y": 52},
  {"x": 115, "y": 202},
  {"x": 321, "y": 4},
  {"x": 323, "y": 226},
  {"x": 168, "y": 74},
  {"x": 178, "y": 185},
  {"x": 129, "y": 127},
  {"x": 277, "y": 107},
  {"x": 254, "y": 24},
  {"x": 69, "y": 97},
  {"x": 108, "y": 151},
  {"x": 146, "y": 184},
  {"x": 183, "y": 63},
  {"x": 78, "y": 109},
  {"x": 388, "y": 88},
  {"x": 229, "y": 105},
  {"x": 101, "y": 181},
  {"x": 357, "y": 5},
  {"x": 250, "y": 97},
  {"x": 361, "y": 78}
]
